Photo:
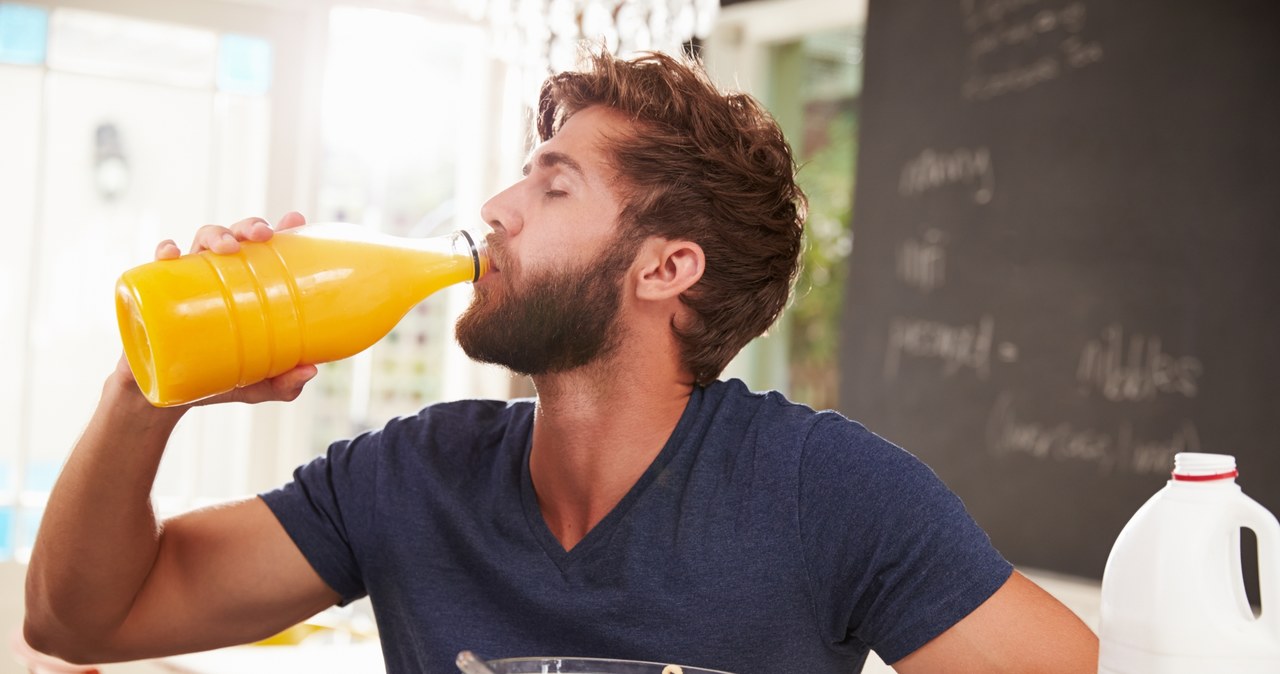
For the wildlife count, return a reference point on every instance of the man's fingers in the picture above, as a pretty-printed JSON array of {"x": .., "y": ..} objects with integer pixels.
[
  {"x": 167, "y": 250},
  {"x": 216, "y": 238},
  {"x": 282, "y": 388},
  {"x": 290, "y": 220},
  {"x": 288, "y": 386},
  {"x": 252, "y": 229},
  {"x": 226, "y": 240}
]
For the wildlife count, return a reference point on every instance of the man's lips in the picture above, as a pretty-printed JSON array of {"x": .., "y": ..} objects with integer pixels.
[
  {"x": 496, "y": 254},
  {"x": 494, "y": 270}
]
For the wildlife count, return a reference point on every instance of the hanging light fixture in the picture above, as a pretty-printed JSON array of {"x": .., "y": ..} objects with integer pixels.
[{"x": 543, "y": 36}]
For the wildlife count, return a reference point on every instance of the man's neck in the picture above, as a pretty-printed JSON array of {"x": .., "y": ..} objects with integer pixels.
[{"x": 595, "y": 432}]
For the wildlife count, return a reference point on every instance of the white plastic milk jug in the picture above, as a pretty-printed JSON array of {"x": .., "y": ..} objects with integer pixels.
[{"x": 1173, "y": 598}]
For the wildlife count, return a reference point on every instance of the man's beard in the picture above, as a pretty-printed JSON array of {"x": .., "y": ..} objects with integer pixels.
[{"x": 555, "y": 321}]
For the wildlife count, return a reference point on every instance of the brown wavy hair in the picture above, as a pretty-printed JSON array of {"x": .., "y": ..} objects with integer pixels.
[{"x": 703, "y": 166}]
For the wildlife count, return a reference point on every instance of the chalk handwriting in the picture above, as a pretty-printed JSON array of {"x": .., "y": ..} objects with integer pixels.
[
  {"x": 963, "y": 166},
  {"x": 1138, "y": 370},
  {"x": 1014, "y": 46},
  {"x": 922, "y": 262},
  {"x": 1112, "y": 451},
  {"x": 954, "y": 346},
  {"x": 1028, "y": 31},
  {"x": 979, "y": 13},
  {"x": 1008, "y": 434},
  {"x": 1018, "y": 78},
  {"x": 1079, "y": 53}
]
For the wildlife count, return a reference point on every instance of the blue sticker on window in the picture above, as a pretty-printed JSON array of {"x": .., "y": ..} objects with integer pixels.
[
  {"x": 23, "y": 33},
  {"x": 40, "y": 475},
  {"x": 244, "y": 64},
  {"x": 7, "y": 544},
  {"x": 30, "y": 526}
]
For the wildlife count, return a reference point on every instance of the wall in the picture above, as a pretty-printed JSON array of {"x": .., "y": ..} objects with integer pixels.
[{"x": 11, "y": 580}]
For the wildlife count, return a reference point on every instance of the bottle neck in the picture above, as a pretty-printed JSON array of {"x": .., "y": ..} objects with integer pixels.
[
  {"x": 1204, "y": 468},
  {"x": 479, "y": 250},
  {"x": 460, "y": 245}
]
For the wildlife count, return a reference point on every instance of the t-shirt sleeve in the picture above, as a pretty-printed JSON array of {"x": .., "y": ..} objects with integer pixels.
[
  {"x": 328, "y": 509},
  {"x": 894, "y": 559}
]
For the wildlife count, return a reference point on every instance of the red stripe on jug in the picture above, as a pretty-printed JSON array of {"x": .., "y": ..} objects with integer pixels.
[{"x": 1206, "y": 478}]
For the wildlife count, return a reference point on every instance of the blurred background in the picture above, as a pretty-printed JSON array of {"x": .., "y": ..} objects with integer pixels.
[{"x": 1064, "y": 270}]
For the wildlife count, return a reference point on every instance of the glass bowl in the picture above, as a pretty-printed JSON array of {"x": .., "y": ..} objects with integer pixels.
[{"x": 589, "y": 666}]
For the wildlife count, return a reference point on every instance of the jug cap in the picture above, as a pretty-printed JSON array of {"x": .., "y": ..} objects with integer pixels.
[{"x": 1198, "y": 467}]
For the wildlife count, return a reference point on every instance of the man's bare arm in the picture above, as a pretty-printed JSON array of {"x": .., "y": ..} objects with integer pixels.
[
  {"x": 1021, "y": 628},
  {"x": 108, "y": 582}
]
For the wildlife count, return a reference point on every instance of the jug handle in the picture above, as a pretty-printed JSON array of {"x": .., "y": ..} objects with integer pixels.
[{"x": 1267, "y": 530}]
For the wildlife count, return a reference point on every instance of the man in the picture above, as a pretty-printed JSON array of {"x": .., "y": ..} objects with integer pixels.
[{"x": 638, "y": 509}]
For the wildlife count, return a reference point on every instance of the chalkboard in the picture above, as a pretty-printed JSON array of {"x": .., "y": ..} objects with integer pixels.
[{"x": 1066, "y": 255}]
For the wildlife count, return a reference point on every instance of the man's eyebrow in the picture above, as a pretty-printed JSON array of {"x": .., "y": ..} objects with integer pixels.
[{"x": 553, "y": 159}]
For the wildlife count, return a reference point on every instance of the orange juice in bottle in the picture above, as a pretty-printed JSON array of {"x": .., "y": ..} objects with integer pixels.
[{"x": 206, "y": 323}]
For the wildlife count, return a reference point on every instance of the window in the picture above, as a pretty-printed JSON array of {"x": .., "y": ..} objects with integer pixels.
[
  {"x": 120, "y": 133},
  {"x": 814, "y": 84},
  {"x": 803, "y": 60}
]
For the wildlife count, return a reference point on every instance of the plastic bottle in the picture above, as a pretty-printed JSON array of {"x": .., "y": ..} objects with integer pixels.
[
  {"x": 1173, "y": 598},
  {"x": 206, "y": 323}
]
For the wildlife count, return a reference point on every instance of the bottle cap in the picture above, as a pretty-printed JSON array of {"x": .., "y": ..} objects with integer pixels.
[{"x": 1197, "y": 467}]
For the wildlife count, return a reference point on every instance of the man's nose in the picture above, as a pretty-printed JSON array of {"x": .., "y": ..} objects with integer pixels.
[{"x": 500, "y": 212}]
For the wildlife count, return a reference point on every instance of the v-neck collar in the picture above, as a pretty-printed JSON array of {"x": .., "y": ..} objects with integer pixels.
[{"x": 603, "y": 530}]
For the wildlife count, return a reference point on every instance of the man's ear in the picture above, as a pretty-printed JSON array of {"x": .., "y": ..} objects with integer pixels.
[{"x": 669, "y": 267}]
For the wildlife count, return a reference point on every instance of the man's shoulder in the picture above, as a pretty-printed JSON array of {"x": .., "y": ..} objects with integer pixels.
[
  {"x": 775, "y": 417},
  {"x": 826, "y": 446}
]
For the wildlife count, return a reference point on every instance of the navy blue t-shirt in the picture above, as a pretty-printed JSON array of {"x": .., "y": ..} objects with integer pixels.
[{"x": 765, "y": 538}]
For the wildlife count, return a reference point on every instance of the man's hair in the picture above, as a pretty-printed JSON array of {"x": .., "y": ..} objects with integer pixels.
[{"x": 702, "y": 166}]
